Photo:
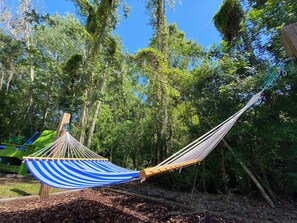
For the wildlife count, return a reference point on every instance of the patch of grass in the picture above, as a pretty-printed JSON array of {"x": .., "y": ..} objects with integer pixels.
[{"x": 19, "y": 187}]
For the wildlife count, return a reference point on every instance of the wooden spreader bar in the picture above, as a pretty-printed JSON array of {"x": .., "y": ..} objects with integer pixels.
[{"x": 161, "y": 169}]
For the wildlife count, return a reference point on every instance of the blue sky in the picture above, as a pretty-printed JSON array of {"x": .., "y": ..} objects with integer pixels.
[{"x": 194, "y": 17}]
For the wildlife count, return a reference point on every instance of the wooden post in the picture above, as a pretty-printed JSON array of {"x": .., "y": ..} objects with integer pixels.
[
  {"x": 44, "y": 189},
  {"x": 251, "y": 175}
]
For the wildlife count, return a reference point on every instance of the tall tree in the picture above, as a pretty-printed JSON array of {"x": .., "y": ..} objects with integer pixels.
[
  {"x": 100, "y": 21},
  {"x": 158, "y": 79}
]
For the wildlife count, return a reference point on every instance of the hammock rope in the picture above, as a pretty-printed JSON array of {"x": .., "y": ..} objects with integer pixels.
[{"x": 65, "y": 147}]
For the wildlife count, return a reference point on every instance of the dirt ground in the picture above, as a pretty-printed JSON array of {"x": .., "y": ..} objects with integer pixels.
[
  {"x": 237, "y": 207},
  {"x": 135, "y": 202}
]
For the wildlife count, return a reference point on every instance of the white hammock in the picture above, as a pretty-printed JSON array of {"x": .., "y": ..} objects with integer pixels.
[{"x": 201, "y": 147}]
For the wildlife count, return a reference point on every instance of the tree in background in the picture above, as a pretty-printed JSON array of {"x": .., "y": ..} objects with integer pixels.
[
  {"x": 159, "y": 68},
  {"x": 101, "y": 20},
  {"x": 231, "y": 23}
]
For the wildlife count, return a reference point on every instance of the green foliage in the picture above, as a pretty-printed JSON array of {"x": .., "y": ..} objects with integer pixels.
[
  {"x": 228, "y": 19},
  {"x": 73, "y": 63},
  {"x": 183, "y": 54},
  {"x": 126, "y": 9},
  {"x": 267, "y": 21}
]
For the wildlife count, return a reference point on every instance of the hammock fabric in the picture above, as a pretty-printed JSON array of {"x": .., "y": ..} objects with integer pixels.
[{"x": 75, "y": 174}]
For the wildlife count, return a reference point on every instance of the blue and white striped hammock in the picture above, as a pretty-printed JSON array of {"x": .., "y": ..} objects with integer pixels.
[
  {"x": 75, "y": 174},
  {"x": 68, "y": 164}
]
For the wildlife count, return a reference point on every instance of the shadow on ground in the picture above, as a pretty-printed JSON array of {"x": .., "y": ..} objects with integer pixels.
[{"x": 20, "y": 192}]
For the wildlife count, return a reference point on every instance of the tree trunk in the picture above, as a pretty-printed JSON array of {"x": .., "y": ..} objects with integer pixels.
[
  {"x": 93, "y": 124},
  {"x": 224, "y": 170},
  {"x": 44, "y": 119},
  {"x": 254, "y": 179},
  {"x": 46, "y": 110},
  {"x": 160, "y": 144},
  {"x": 194, "y": 182},
  {"x": 83, "y": 121},
  {"x": 111, "y": 154},
  {"x": 249, "y": 48},
  {"x": 154, "y": 154},
  {"x": 10, "y": 75},
  {"x": 203, "y": 177},
  {"x": 164, "y": 125},
  {"x": 162, "y": 45},
  {"x": 30, "y": 107},
  {"x": 1, "y": 81},
  {"x": 161, "y": 28},
  {"x": 32, "y": 76}
]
